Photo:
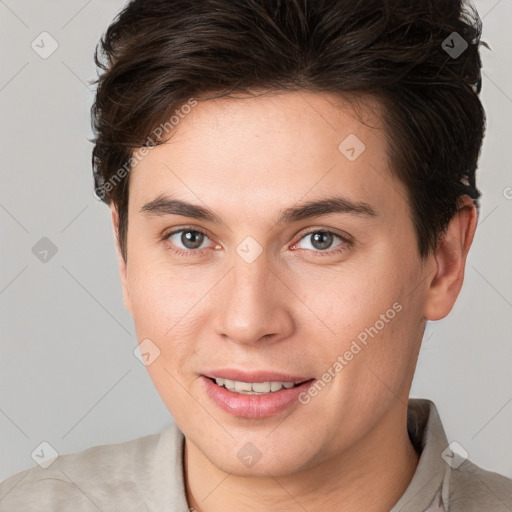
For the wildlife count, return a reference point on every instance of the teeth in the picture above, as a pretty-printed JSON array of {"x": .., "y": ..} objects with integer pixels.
[
  {"x": 261, "y": 387},
  {"x": 275, "y": 386},
  {"x": 253, "y": 388},
  {"x": 243, "y": 386}
]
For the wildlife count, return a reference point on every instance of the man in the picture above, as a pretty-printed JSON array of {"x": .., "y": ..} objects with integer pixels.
[{"x": 291, "y": 203}]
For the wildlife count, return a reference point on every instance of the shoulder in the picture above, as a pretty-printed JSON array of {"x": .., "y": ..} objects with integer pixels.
[
  {"x": 83, "y": 481},
  {"x": 473, "y": 489}
]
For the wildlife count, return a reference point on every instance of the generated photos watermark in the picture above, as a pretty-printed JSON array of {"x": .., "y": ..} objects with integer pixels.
[
  {"x": 355, "y": 348},
  {"x": 143, "y": 151}
]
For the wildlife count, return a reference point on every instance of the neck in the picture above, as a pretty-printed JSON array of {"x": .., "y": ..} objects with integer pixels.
[{"x": 371, "y": 475}]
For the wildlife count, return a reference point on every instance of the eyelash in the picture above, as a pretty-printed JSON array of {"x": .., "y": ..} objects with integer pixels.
[{"x": 346, "y": 242}]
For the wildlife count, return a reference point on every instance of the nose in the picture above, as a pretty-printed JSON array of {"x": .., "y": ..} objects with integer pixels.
[{"x": 254, "y": 303}]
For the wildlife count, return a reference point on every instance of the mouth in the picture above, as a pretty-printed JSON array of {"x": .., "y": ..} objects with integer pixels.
[{"x": 254, "y": 395}]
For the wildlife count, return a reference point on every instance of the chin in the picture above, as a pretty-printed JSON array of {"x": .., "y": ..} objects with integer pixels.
[{"x": 249, "y": 461}]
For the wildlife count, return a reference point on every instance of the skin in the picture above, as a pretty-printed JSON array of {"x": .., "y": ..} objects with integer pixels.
[{"x": 247, "y": 159}]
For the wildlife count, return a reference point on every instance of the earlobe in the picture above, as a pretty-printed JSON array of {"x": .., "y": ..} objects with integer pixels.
[
  {"x": 120, "y": 259},
  {"x": 450, "y": 258}
]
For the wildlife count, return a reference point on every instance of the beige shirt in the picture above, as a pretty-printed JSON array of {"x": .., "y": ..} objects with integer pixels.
[{"x": 146, "y": 475}]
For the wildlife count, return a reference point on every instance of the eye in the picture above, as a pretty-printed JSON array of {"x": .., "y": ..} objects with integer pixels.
[
  {"x": 190, "y": 239},
  {"x": 321, "y": 240}
]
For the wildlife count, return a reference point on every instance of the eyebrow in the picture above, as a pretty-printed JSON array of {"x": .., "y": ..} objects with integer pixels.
[{"x": 163, "y": 205}]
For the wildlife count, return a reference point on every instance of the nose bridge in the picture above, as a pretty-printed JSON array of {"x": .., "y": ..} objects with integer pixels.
[{"x": 250, "y": 308}]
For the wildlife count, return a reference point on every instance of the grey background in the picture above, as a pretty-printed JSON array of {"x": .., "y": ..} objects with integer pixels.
[{"x": 68, "y": 375}]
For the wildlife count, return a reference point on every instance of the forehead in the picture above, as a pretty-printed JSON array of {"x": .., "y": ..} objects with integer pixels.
[{"x": 254, "y": 153}]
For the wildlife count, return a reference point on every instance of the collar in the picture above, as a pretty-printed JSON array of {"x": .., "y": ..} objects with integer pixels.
[
  {"x": 429, "y": 488},
  {"x": 162, "y": 485}
]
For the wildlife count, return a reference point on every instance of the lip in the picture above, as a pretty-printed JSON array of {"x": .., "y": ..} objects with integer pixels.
[
  {"x": 254, "y": 376},
  {"x": 255, "y": 406}
]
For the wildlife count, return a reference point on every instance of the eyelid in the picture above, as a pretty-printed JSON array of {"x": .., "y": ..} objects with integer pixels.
[{"x": 344, "y": 236}]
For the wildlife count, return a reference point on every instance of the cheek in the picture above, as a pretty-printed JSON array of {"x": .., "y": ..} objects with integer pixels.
[
  {"x": 152, "y": 307},
  {"x": 389, "y": 336},
  {"x": 159, "y": 298},
  {"x": 367, "y": 313},
  {"x": 165, "y": 309},
  {"x": 351, "y": 297}
]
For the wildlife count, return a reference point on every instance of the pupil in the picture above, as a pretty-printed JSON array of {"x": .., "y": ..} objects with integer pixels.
[
  {"x": 317, "y": 237},
  {"x": 189, "y": 236}
]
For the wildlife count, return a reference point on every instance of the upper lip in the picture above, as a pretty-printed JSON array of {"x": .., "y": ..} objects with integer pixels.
[{"x": 255, "y": 376}]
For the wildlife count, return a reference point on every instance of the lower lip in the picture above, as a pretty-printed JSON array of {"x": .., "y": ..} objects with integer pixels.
[{"x": 254, "y": 406}]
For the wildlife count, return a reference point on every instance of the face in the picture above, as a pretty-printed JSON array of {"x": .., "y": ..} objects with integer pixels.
[{"x": 265, "y": 290}]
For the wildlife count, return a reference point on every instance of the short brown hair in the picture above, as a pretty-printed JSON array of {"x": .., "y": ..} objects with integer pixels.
[{"x": 420, "y": 60}]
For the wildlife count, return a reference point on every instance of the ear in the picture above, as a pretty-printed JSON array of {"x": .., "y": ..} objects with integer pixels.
[
  {"x": 120, "y": 259},
  {"x": 450, "y": 257}
]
